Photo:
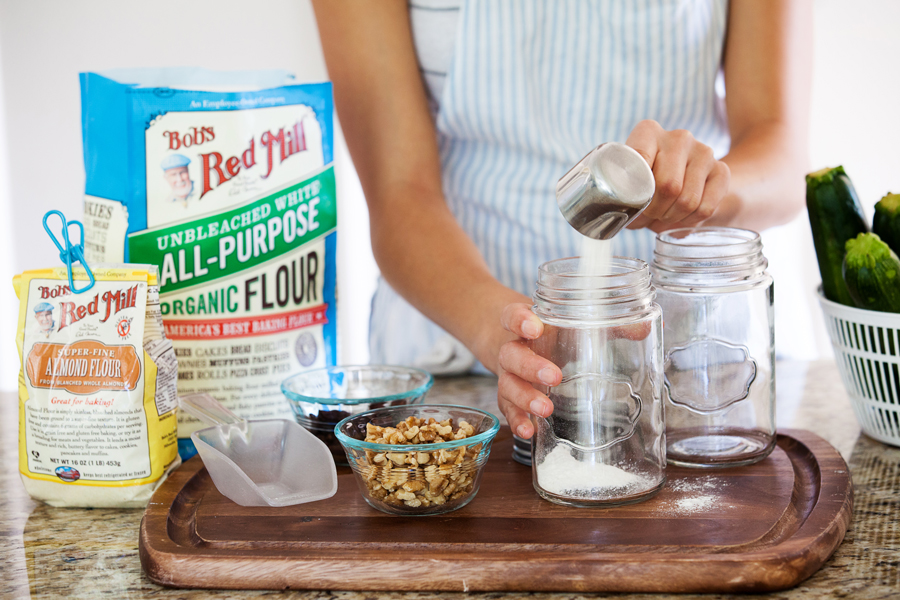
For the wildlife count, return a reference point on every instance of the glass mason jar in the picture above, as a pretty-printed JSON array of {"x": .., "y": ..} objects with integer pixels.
[
  {"x": 717, "y": 303},
  {"x": 604, "y": 444}
]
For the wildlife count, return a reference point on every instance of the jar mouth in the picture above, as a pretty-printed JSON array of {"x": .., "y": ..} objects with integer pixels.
[
  {"x": 720, "y": 253},
  {"x": 565, "y": 274},
  {"x": 563, "y": 290},
  {"x": 707, "y": 242}
]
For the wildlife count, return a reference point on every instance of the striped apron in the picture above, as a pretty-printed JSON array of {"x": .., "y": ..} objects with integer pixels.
[{"x": 530, "y": 87}]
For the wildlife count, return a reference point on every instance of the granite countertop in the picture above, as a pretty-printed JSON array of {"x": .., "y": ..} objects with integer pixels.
[{"x": 50, "y": 552}]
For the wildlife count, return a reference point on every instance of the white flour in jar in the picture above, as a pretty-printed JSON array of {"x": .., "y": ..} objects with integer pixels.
[
  {"x": 596, "y": 256},
  {"x": 562, "y": 474}
]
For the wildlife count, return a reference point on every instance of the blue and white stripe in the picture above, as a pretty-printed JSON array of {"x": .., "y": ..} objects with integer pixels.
[{"x": 530, "y": 88}]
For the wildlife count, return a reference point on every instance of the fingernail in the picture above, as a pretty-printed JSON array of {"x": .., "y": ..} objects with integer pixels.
[
  {"x": 547, "y": 376},
  {"x": 523, "y": 432},
  {"x": 531, "y": 329},
  {"x": 537, "y": 407}
]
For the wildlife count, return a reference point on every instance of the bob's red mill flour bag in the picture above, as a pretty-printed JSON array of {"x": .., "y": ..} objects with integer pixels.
[
  {"x": 225, "y": 181},
  {"x": 97, "y": 394}
]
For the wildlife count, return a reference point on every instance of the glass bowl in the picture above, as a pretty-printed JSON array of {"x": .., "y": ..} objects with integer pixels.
[
  {"x": 422, "y": 478},
  {"x": 320, "y": 398}
]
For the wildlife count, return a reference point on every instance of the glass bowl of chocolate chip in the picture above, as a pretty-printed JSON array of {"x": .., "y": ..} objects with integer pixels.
[{"x": 320, "y": 398}]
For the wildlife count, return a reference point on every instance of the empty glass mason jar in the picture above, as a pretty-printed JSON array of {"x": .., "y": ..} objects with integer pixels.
[
  {"x": 717, "y": 303},
  {"x": 604, "y": 444}
]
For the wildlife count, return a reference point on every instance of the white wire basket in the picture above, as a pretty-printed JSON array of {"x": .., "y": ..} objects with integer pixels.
[{"x": 867, "y": 351}]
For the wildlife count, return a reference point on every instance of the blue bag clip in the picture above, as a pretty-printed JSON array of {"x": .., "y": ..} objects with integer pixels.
[{"x": 70, "y": 253}]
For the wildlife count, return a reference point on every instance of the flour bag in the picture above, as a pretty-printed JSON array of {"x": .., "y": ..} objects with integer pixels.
[
  {"x": 225, "y": 181},
  {"x": 97, "y": 394}
]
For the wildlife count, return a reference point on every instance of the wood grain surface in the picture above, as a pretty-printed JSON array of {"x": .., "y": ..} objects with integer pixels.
[{"x": 763, "y": 527}]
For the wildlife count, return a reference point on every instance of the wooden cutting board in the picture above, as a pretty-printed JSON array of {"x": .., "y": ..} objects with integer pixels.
[{"x": 760, "y": 528}]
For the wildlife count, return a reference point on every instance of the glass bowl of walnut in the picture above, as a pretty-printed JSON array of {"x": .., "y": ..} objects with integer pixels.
[{"x": 418, "y": 460}]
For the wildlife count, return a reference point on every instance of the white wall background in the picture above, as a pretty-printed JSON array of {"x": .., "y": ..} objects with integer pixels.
[{"x": 44, "y": 44}]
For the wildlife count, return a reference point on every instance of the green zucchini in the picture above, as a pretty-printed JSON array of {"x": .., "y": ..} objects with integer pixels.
[
  {"x": 835, "y": 216},
  {"x": 887, "y": 221},
  {"x": 872, "y": 273}
]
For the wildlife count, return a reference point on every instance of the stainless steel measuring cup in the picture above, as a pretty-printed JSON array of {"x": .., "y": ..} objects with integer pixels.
[
  {"x": 260, "y": 463},
  {"x": 606, "y": 190}
]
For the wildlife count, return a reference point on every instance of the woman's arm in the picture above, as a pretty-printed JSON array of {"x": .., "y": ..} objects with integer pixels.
[
  {"x": 421, "y": 250},
  {"x": 767, "y": 66},
  {"x": 768, "y": 76}
]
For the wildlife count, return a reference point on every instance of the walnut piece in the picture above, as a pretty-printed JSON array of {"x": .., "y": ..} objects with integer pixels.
[{"x": 417, "y": 479}]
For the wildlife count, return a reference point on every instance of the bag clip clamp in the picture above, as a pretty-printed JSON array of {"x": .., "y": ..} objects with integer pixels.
[{"x": 70, "y": 253}]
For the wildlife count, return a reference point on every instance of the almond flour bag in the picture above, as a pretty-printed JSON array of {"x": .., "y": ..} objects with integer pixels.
[
  {"x": 97, "y": 395},
  {"x": 225, "y": 181}
]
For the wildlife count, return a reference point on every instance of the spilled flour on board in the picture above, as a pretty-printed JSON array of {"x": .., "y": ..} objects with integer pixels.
[
  {"x": 695, "y": 504},
  {"x": 694, "y": 496}
]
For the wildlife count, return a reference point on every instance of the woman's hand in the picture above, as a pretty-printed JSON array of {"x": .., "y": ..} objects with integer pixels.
[
  {"x": 519, "y": 368},
  {"x": 690, "y": 182}
]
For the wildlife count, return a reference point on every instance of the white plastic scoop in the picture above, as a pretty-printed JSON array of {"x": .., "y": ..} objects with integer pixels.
[{"x": 260, "y": 463}]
